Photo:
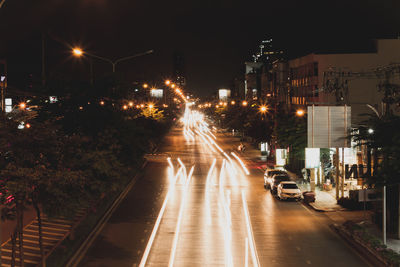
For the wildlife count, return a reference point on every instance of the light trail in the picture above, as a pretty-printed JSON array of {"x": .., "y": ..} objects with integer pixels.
[
  {"x": 246, "y": 252},
  {"x": 227, "y": 218},
  {"x": 207, "y": 193},
  {"x": 246, "y": 171},
  {"x": 178, "y": 224},
  {"x": 250, "y": 235},
  {"x": 158, "y": 221},
  {"x": 184, "y": 170}
]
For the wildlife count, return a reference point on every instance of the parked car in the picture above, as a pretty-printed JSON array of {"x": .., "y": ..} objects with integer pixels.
[
  {"x": 268, "y": 174},
  {"x": 276, "y": 180},
  {"x": 288, "y": 190}
]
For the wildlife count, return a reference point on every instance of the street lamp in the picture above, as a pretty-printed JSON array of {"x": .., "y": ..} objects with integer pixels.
[
  {"x": 145, "y": 85},
  {"x": 244, "y": 103},
  {"x": 300, "y": 112},
  {"x": 263, "y": 109},
  {"x": 79, "y": 52},
  {"x": 167, "y": 82}
]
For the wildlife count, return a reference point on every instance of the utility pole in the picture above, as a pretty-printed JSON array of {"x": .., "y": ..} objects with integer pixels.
[{"x": 43, "y": 60}]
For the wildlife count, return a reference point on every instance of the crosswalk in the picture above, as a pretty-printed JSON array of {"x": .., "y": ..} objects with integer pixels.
[{"x": 54, "y": 230}]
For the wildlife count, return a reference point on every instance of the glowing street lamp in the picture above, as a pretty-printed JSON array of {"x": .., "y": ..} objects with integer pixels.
[
  {"x": 125, "y": 107},
  {"x": 145, "y": 85},
  {"x": 22, "y": 105},
  {"x": 173, "y": 85},
  {"x": 167, "y": 82},
  {"x": 244, "y": 103},
  {"x": 151, "y": 106},
  {"x": 233, "y": 102},
  {"x": 300, "y": 112},
  {"x": 130, "y": 104},
  {"x": 79, "y": 52},
  {"x": 263, "y": 109},
  {"x": 102, "y": 103}
]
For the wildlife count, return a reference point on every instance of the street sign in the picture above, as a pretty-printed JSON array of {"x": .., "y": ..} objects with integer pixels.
[{"x": 328, "y": 126}]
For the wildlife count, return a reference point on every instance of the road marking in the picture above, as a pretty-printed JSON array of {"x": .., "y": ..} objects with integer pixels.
[{"x": 157, "y": 224}]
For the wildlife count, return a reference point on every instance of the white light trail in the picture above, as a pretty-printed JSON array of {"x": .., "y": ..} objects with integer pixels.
[
  {"x": 246, "y": 171},
  {"x": 170, "y": 164},
  {"x": 207, "y": 193},
  {"x": 250, "y": 235},
  {"x": 158, "y": 221},
  {"x": 184, "y": 169},
  {"x": 246, "y": 253},
  {"x": 178, "y": 224}
]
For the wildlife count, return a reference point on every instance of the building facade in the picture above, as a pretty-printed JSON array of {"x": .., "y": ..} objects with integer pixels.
[{"x": 346, "y": 79}]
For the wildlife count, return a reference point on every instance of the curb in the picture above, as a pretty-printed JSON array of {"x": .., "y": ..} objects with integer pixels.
[
  {"x": 81, "y": 251},
  {"x": 364, "y": 251}
]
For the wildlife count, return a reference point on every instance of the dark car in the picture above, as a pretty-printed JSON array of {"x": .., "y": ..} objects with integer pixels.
[
  {"x": 276, "y": 180},
  {"x": 268, "y": 176}
]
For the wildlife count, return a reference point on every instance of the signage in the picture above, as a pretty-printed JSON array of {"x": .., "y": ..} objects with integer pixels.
[
  {"x": 328, "y": 126},
  {"x": 8, "y": 102},
  {"x": 312, "y": 158},
  {"x": 280, "y": 157},
  {"x": 157, "y": 93},
  {"x": 369, "y": 195}
]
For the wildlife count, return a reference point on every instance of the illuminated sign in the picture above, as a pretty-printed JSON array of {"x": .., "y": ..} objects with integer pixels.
[
  {"x": 280, "y": 157},
  {"x": 53, "y": 99},
  {"x": 156, "y": 93},
  {"x": 224, "y": 94},
  {"x": 312, "y": 158},
  {"x": 8, "y": 102}
]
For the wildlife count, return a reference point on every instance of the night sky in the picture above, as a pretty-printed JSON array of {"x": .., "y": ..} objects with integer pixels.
[{"x": 215, "y": 37}]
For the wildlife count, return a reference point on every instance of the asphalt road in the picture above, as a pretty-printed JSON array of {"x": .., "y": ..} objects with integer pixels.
[{"x": 214, "y": 216}]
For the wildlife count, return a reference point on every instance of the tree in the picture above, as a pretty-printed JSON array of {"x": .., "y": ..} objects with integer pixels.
[{"x": 291, "y": 132}]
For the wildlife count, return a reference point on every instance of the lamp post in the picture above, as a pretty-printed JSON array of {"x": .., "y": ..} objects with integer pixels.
[
  {"x": 79, "y": 52},
  {"x": 2, "y": 82}
]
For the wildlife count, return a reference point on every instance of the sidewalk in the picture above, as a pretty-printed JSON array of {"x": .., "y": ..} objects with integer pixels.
[{"x": 325, "y": 201}]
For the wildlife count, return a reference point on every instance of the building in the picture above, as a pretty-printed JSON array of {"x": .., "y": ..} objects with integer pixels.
[
  {"x": 344, "y": 78},
  {"x": 179, "y": 70},
  {"x": 261, "y": 80}
]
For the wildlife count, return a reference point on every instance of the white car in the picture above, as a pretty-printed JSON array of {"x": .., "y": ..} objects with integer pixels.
[
  {"x": 288, "y": 190},
  {"x": 269, "y": 173}
]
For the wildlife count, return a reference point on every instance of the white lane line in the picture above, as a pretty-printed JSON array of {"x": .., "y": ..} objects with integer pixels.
[
  {"x": 157, "y": 224},
  {"x": 254, "y": 256},
  {"x": 178, "y": 224}
]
